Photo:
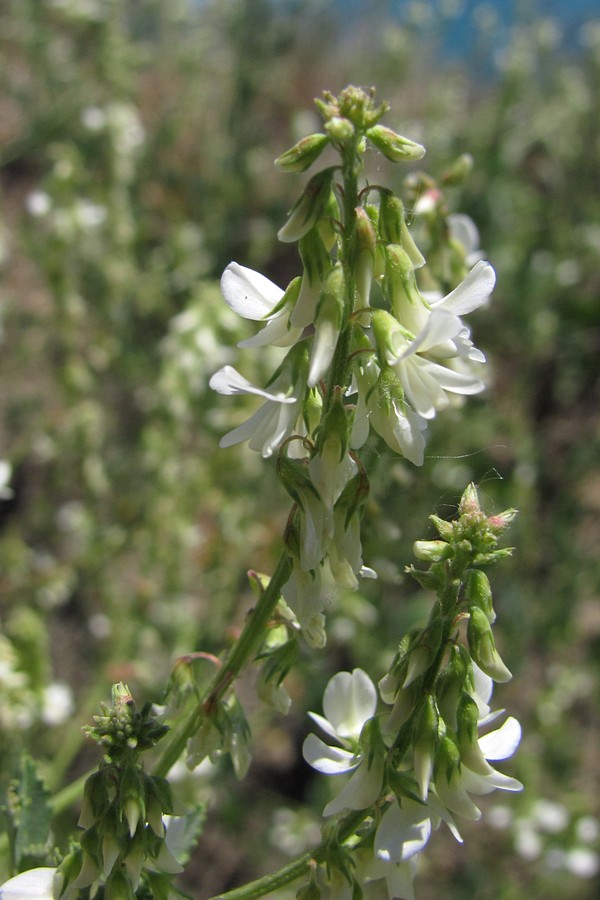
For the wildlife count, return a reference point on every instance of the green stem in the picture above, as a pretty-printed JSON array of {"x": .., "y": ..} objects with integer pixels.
[
  {"x": 298, "y": 867},
  {"x": 243, "y": 650}
]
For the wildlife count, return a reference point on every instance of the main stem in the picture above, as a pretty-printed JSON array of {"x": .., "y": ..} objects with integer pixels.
[{"x": 242, "y": 651}]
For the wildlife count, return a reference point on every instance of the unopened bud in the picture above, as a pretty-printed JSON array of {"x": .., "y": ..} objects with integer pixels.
[
  {"x": 303, "y": 154},
  {"x": 328, "y": 322},
  {"x": 450, "y": 684},
  {"x": 424, "y": 743},
  {"x": 432, "y": 551},
  {"x": 459, "y": 171},
  {"x": 470, "y": 753},
  {"x": 394, "y": 230},
  {"x": 479, "y": 593},
  {"x": 309, "y": 207},
  {"x": 295, "y": 478},
  {"x": 483, "y": 647},
  {"x": 340, "y": 130},
  {"x": 393, "y": 146},
  {"x": 363, "y": 255},
  {"x": 401, "y": 285}
]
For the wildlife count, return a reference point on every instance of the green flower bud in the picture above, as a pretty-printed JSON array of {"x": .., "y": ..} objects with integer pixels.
[
  {"x": 132, "y": 796},
  {"x": 95, "y": 799},
  {"x": 450, "y": 684},
  {"x": 447, "y": 758},
  {"x": 295, "y": 478},
  {"x": 425, "y": 736},
  {"x": 328, "y": 322},
  {"x": 303, "y": 154},
  {"x": 364, "y": 255},
  {"x": 432, "y": 551},
  {"x": 483, "y": 648},
  {"x": 394, "y": 230},
  {"x": 309, "y": 207},
  {"x": 118, "y": 886},
  {"x": 401, "y": 285},
  {"x": 393, "y": 146},
  {"x": 459, "y": 171},
  {"x": 444, "y": 529},
  {"x": 479, "y": 593},
  {"x": 470, "y": 754},
  {"x": 340, "y": 130}
]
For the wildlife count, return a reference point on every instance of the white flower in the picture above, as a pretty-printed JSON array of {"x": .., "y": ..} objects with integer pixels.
[
  {"x": 35, "y": 883},
  {"x": 308, "y": 593},
  {"x": 384, "y": 408},
  {"x": 427, "y": 383},
  {"x": 252, "y": 296},
  {"x": 453, "y": 791},
  {"x": 350, "y": 700},
  {"x": 464, "y": 230},
  {"x": 269, "y": 426}
]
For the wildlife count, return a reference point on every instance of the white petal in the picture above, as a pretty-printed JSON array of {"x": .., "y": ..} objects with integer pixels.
[
  {"x": 350, "y": 699},
  {"x": 248, "y": 293},
  {"x": 229, "y": 381},
  {"x": 326, "y": 726},
  {"x": 472, "y": 292},
  {"x": 276, "y": 332},
  {"x": 326, "y": 759},
  {"x": 403, "y": 831},
  {"x": 35, "y": 883},
  {"x": 503, "y": 742},
  {"x": 362, "y": 789},
  {"x": 485, "y": 784}
]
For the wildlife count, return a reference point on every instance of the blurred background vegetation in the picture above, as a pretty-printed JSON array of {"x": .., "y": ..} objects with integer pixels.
[{"x": 137, "y": 140}]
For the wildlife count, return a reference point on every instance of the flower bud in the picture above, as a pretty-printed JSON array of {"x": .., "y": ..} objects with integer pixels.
[
  {"x": 328, "y": 322},
  {"x": 393, "y": 146},
  {"x": 432, "y": 551},
  {"x": 394, "y": 230},
  {"x": 479, "y": 593},
  {"x": 95, "y": 799},
  {"x": 309, "y": 207},
  {"x": 295, "y": 478},
  {"x": 459, "y": 171},
  {"x": 447, "y": 758},
  {"x": 482, "y": 646},
  {"x": 424, "y": 743},
  {"x": 451, "y": 682},
  {"x": 118, "y": 886},
  {"x": 340, "y": 130},
  {"x": 364, "y": 255},
  {"x": 470, "y": 753},
  {"x": 401, "y": 287},
  {"x": 303, "y": 154},
  {"x": 132, "y": 796}
]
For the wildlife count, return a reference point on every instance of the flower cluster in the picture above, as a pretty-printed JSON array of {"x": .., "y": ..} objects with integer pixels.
[
  {"x": 364, "y": 349},
  {"x": 403, "y": 823},
  {"x": 421, "y": 762}
]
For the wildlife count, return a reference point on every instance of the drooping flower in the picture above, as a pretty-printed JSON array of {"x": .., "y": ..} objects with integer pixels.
[
  {"x": 349, "y": 702},
  {"x": 252, "y": 296},
  {"x": 276, "y": 419},
  {"x": 381, "y": 403}
]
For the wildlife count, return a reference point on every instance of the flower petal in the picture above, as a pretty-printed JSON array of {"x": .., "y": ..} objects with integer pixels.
[
  {"x": 248, "y": 293},
  {"x": 229, "y": 381},
  {"x": 472, "y": 292},
  {"x": 501, "y": 743},
  {"x": 361, "y": 790},
  {"x": 350, "y": 699},
  {"x": 403, "y": 831},
  {"x": 34, "y": 883},
  {"x": 326, "y": 759}
]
